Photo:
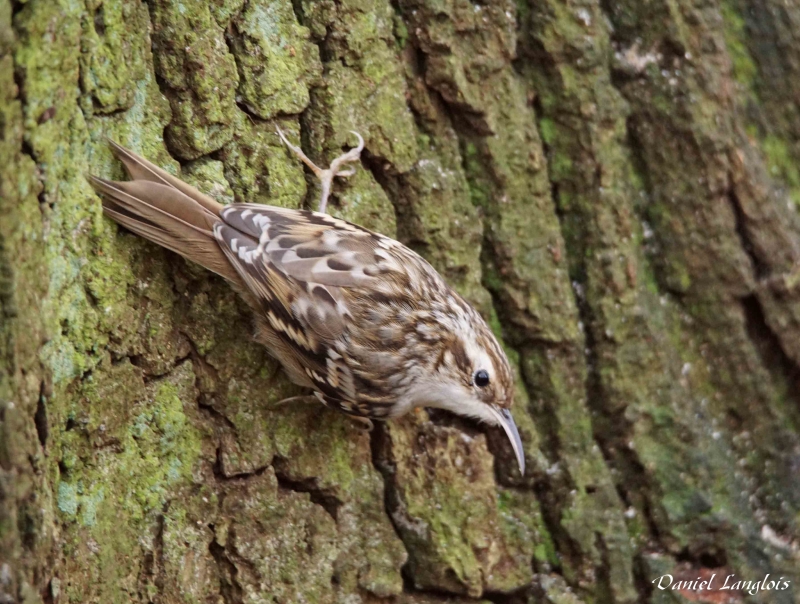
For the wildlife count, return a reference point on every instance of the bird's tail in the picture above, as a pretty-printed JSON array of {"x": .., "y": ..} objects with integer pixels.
[{"x": 165, "y": 210}]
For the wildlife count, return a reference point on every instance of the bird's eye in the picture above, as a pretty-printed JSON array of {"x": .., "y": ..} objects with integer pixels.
[{"x": 481, "y": 378}]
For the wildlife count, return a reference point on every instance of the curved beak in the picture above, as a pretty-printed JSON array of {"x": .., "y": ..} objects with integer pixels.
[{"x": 507, "y": 422}]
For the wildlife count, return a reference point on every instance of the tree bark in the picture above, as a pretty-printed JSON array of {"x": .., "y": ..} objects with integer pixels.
[{"x": 613, "y": 184}]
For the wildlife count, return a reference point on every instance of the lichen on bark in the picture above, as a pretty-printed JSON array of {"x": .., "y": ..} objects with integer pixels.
[{"x": 610, "y": 184}]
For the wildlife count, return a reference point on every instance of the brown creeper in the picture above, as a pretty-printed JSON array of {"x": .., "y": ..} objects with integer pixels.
[{"x": 359, "y": 318}]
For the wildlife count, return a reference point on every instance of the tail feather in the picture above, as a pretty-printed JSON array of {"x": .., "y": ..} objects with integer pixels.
[
  {"x": 152, "y": 200},
  {"x": 180, "y": 219},
  {"x": 139, "y": 168}
]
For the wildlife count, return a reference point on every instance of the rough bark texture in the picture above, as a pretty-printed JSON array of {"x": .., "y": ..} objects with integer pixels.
[{"x": 612, "y": 182}]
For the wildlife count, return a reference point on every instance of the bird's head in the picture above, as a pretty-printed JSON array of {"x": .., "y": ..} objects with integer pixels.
[{"x": 471, "y": 377}]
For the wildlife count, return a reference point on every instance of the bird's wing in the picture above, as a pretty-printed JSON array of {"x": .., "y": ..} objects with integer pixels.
[{"x": 306, "y": 270}]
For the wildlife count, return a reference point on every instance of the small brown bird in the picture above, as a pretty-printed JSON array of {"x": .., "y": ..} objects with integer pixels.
[{"x": 359, "y": 318}]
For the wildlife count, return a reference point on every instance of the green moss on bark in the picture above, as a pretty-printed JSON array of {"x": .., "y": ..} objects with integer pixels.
[{"x": 598, "y": 194}]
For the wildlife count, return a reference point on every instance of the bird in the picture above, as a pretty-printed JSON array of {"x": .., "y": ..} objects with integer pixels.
[{"x": 357, "y": 317}]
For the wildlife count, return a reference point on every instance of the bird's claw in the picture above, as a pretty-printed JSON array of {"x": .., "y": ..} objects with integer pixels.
[
  {"x": 302, "y": 398},
  {"x": 326, "y": 176},
  {"x": 364, "y": 423}
]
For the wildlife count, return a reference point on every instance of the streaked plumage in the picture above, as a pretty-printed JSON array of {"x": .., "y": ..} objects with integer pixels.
[{"x": 356, "y": 316}]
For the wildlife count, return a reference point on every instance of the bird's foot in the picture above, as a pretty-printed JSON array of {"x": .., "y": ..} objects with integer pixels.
[
  {"x": 326, "y": 176},
  {"x": 302, "y": 398},
  {"x": 364, "y": 423}
]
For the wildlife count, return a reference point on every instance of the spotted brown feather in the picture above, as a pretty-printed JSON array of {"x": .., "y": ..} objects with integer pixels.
[{"x": 356, "y": 316}]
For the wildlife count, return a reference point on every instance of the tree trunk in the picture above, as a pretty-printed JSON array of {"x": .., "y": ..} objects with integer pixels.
[{"x": 613, "y": 183}]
